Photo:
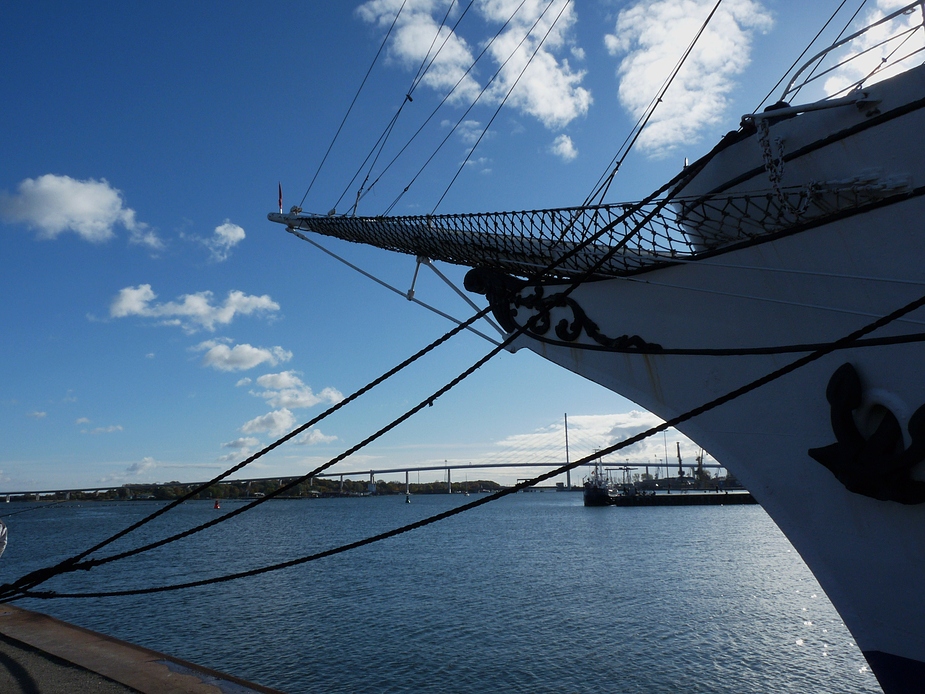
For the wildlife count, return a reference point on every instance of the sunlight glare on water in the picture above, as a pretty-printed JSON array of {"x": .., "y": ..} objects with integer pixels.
[{"x": 534, "y": 593}]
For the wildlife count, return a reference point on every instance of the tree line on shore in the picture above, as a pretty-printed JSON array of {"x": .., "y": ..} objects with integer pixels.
[{"x": 318, "y": 487}]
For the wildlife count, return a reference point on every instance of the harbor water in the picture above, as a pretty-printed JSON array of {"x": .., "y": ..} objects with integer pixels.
[{"x": 533, "y": 593}]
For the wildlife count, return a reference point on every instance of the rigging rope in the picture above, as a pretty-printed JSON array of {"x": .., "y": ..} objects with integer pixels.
[
  {"x": 31, "y": 580},
  {"x": 352, "y": 103},
  {"x": 805, "y": 51},
  {"x": 510, "y": 91},
  {"x": 383, "y": 138},
  {"x": 437, "y": 108},
  {"x": 605, "y": 181},
  {"x": 842, "y": 343},
  {"x": 837, "y": 38},
  {"x": 477, "y": 98}
]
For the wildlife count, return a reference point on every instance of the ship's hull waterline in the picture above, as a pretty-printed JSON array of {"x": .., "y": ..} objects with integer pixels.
[
  {"x": 833, "y": 451},
  {"x": 808, "y": 288}
]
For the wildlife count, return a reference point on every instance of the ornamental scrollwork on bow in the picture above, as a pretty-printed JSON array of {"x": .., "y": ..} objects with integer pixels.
[
  {"x": 506, "y": 295},
  {"x": 878, "y": 466}
]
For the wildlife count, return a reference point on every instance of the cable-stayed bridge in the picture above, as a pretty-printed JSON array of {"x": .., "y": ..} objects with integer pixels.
[{"x": 446, "y": 468}]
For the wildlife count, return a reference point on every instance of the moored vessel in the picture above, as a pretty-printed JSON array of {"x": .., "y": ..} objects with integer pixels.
[
  {"x": 598, "y": 487},
  {"x": 780, "y": 275}
]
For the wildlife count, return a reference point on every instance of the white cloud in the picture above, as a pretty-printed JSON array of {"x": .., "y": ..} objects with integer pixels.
[
  {"x": 563, "y": 147},
  {"x": 413, "y": 37},
  {"x": 549, "y": 89},
  {"x": 225, "y": 237},
  {"x": 192, "y": 311},
  {"x": 53, "y": 204},
  {"x": 104, "y": 430},
  {"x": 240, "y": 448},
  {"x": 146, "y": 465},
  {"x": 241, "y": 357},
  {"x": 241, "y": 443},
  {"x": 868, "y": 51},
  {"x": 82, "y": 420},
  {"x": 469, "y": 131},
  {"x": 275, "y": 423},
  {"x": 37, "y": 415},
  {"x": 652, "y": 36},
  {"x": 482, "y": 164},
  {"x": 313, "y": 437},
  {"x": 286, "y": 389}
]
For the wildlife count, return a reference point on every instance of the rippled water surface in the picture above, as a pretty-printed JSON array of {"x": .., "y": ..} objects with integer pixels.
[{"x": 533, "y": 593}]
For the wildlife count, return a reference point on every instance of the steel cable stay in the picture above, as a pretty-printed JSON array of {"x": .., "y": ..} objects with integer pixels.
[
  {"x": 436, "y": 109},
  {"x": 509, "y": 91},
  {"x": 606, "y": 180},
  {"x": 478, "y": 97},
  {"x": 805, "y": 51},
  {"x": 858, "y": 84},
  {"x": 380, "y": 144},
  {"x": 837, "y": 38},
  {"x": 353, "y": 102},
  {"x": 842, "y": 343},
  {"x": 409, "y": 295},
  {"x": 427, "y": 64},
  {"x": 18, "y": 588}
]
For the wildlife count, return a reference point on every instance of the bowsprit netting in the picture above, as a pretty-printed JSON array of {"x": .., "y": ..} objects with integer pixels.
[{"x": 577, "y": 240}]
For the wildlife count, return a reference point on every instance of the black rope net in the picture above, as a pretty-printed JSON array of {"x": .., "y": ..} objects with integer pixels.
[{"x": 576, "y": 241}]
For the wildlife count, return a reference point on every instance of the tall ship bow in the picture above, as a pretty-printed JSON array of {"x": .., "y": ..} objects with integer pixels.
[{"x": 792, "y": 234}]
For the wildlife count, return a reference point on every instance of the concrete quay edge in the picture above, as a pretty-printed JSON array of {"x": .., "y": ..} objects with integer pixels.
[{"x": 136, "y": 667}]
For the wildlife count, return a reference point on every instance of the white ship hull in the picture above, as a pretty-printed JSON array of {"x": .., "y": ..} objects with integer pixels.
[
  {"x": 807, "y": 288},
  {"x": 841, "y": 244}
]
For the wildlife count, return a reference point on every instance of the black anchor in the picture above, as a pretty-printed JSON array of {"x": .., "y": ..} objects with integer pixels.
[{"x": 879, "y": 466}]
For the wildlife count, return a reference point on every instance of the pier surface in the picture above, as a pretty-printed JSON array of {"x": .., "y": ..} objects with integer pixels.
[{"x": 41, "y": 654}]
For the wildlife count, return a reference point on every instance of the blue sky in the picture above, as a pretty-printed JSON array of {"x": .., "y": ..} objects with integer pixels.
[{"x": 158, "y": 327}]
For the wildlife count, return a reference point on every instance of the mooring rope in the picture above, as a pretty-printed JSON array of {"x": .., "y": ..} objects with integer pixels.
[
  {"x": 18, "y": 588},
  {"x": 36, "y": 577},
  {"x": 673, "y": 422},
  {"x": 35, "y": 508}
]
